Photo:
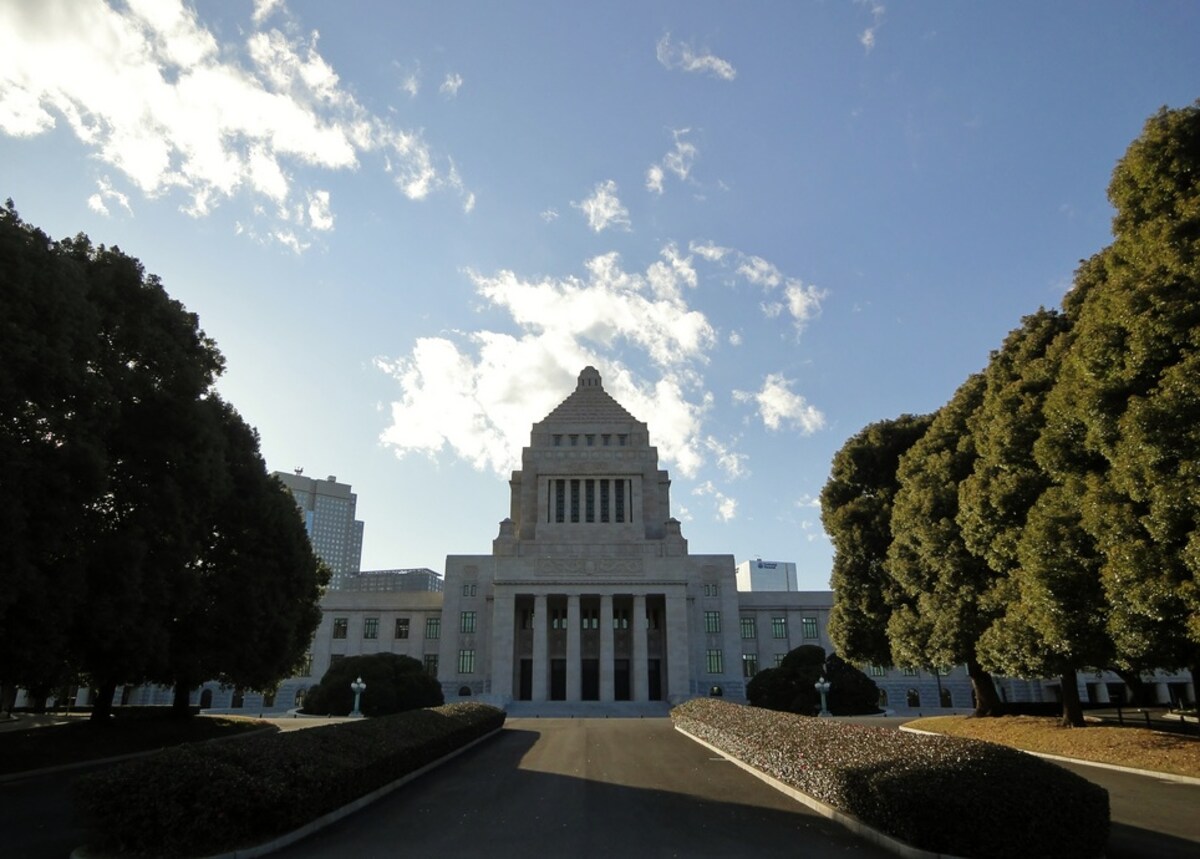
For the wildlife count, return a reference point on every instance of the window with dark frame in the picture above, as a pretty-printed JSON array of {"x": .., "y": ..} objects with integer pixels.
[
  {"x": 370, "y": 628},
  {"x": 401, "y": 627},
  {"x": 433, "y": 627},
  {"x": 340, "y": 626},
  {"x": 467, "y": 622}
]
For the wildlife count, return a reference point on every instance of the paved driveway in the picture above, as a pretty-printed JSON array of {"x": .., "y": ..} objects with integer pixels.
[{"x": 586, "y": 788}]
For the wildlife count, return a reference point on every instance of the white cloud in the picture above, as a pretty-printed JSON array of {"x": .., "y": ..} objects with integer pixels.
[
  {"x": 867, "y": 37},
  {"x": 319, "y": 216},
  {"x": 803, "y": 302},
  {"x": 726, "y": 507},
  {"x": 654, "y": 179},
  {"x": 778, "y": 406},
  {"x": 465, "y": 392},
  {"x": 730, "y": 461},
  {"x": 603, "y": 209},
  {"x": 154, "y": 94},
  {"x": 758, "y": 271},
  {"x": 411, "y": 84},
  {"x": 97, "y": 202},
  {"x": 549, "y": 215},
  {"x": 469, "y": 203},
  {"x": 451, "y": 85},
  {"x": 735, "y": 338},
  {"x": 710, "y": 251},
  {"x": 678, "y": 161},
  {"x": 683, "y": 56}
]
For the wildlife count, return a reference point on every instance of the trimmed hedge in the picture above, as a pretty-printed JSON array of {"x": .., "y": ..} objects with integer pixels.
[
  {"x": 943, "y": 794},
  {"x": 206, "y": 798}
]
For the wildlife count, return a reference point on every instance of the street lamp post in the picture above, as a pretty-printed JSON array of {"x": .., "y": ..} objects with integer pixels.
[
  {"x": 358, "y": 686},
  {"x": 822, "y": 686}
]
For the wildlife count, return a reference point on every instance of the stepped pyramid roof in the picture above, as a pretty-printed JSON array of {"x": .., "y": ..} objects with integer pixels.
[{"x": 589, "y": 404}]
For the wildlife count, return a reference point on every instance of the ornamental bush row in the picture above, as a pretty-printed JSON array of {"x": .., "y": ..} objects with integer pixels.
[
  {"x": 943, "y": 794},
  {"x": 206, "y": 798}
]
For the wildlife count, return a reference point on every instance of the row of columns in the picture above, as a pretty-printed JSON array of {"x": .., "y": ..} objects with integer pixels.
[{"x": 504, "y": 653}]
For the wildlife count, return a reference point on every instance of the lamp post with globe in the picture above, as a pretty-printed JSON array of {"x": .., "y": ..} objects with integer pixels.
[
  {"x": 357, "y": 686},
  {"x": 822, "y": 687}
]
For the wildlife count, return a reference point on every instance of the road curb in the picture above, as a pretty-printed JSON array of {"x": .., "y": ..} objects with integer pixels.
[
  {"x": 853, "y": 824},
  {"x": 1180, "y": 779}
]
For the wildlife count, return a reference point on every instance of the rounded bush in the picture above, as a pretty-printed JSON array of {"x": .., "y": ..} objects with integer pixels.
[{"x": 393, "y": 684}]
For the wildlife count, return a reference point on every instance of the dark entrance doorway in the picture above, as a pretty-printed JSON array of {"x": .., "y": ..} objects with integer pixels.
[
  {"x": 590, "y": 676},
  {"x": 655, "y": 679},
  {"x": 205, "y": 699},
  {"x": 558, "y": 679},
  {"x": 621, "y": 679},
  {"x": 525, "y": 681}
]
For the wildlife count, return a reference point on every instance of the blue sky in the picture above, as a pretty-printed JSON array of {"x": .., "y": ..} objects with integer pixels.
[{"x": 409, "y": 225}]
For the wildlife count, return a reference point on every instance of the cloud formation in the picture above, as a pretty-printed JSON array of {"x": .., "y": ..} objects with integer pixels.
[
  {"x": 158, "y": 98},
  {"x": 681, "y": 55},
  {"x": 451, "y": 85},
  {"x": 779, "y": 407},
  {"x": 677, "y": 161},
  {"x": 603, "y": 208},
  {"x": 867, "y": 37}
]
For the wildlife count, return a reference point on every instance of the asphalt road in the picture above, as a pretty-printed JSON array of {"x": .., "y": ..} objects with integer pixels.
[{"x": 586, "y": 788}]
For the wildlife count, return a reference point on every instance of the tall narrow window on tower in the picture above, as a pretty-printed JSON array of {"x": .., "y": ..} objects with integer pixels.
[
  {"x": 560, "y": 500},
  {"x": 574, "y": 500},
  {"x": 619, "y": 492},
  {"x": 589, "y": 494},
  {"x": 604, "y": 500}
]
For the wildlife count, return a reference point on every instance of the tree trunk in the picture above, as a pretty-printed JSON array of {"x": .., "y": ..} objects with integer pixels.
[
  {"x": 1139, "y": 690},
  {"x": 1072, "y": 712},
  {"x": 181, "y": 704},
  {"x": 102, "y": 705},
  {"x": 987, "y": 702},
  {"x": 8, "y": 697}
]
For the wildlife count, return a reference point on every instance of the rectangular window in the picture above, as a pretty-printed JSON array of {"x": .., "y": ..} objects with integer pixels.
[
  {"x": 808, "y": 627},
  {"x": 604, "y": 500},
  {"x": 433, "y": 627},
  {"x": 911, "y": 672},
  {"x": 605, "y": 439},
  {"x": 469, "y": 590},
  {"x": 779, "y": 627},
  {"x": 876, "y": 671},
  {"x": 340, "y": 625},
  {"x": 589, "y": 495},
  {"x": 749, "y": 628},
  {"x": 527, "y": 618},
  {"x": 590, "y": 440},
  {"x": 371, "y": 628},
  {"x": 558, "y": 618},
  {"x": 466, "y": 662},
  {"x": 712, "y": 622},
  {"x": 574, "y": 500},
  {"x": 749, "y": 664},
  {"x": 779, "y": 659},
  {"x": 305, "y": 669},
  {"x": 590, "y": 618},
  {"x": 620, "y": 618},
  {"x": 431, "y": 665},
  {"x": 619, "y": 499},
  {"x": 557, "y": 440},
  {"x": 401, "y": 627},
  {"x": 716, "y": 664},
  {"x": 466, "y": 622},
  {"x": 622, "y": 440}
]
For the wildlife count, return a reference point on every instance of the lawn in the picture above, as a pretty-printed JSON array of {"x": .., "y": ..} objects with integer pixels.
[
  {"x": 1139, "y": 748},
  {"x": 81, "y": 740}
]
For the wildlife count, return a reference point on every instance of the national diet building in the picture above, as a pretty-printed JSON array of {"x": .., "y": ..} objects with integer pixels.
[{"x": 589, "y": 593}]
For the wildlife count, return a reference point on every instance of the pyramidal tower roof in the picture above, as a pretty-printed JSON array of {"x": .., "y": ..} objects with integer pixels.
[{"x": 589, "y": 404}]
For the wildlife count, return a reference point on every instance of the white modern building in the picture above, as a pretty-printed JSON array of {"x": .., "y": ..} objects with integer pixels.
[
  {"x": 328, "y": 509},
  {"x": 760, "y": 575}
]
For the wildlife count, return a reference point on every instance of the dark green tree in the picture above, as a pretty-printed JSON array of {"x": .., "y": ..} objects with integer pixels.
[
  {"x": 1124, "y": 411},
  {"x": 948, "y": 589},
  {"x": 248, "y": 608},
  {"x": 791, "y": 686},
  {"x": 394, "y": 684},
  {"x": 52, "y": 453},
  {"x": 856, "y": 510}
]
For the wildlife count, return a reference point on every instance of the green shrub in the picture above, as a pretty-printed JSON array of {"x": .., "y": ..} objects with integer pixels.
[
  {"x": 394, "y": 684},
  {"x": 206, "y": 798},
  {"x": 790, "y": 687},
  {"x": 944, "y": 794}
]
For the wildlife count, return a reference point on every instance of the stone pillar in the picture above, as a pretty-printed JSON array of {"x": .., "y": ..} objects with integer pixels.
[
  {"x": 503, "y": 645},
  {"x": 541, "y": 661},
  {"x": 607, "y": 692},
  {"x": 639, "y": 671},
  {"x": 574, "y": 687},
  {"x": 679, "y": 671}
]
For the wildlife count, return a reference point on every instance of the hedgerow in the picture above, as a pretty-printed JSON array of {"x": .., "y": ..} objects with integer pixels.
[
  {"x": 205, "y": 798},
  {"x": 943, "y": 794}
]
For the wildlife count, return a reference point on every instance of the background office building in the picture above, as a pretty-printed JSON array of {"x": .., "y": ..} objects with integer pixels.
[
  {"x": 328, "y": 510},
  {"x": 760, "y": 575}
]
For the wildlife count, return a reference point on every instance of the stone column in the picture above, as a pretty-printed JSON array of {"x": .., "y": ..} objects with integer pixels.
[
  {"x": 679, "y": 671},
  {"x": 541, "y": 661},
  {"x": 503, "y": 645},
  {"x": 607, "y": 692},
  {"x": 639, "y": 671},
  {"x": 574, "y": 688}
]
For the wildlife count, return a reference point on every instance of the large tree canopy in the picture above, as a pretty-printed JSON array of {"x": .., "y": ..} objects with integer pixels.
[
  {"x": 856, "y": 510},
  {"x": 130, "y": 489}
]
